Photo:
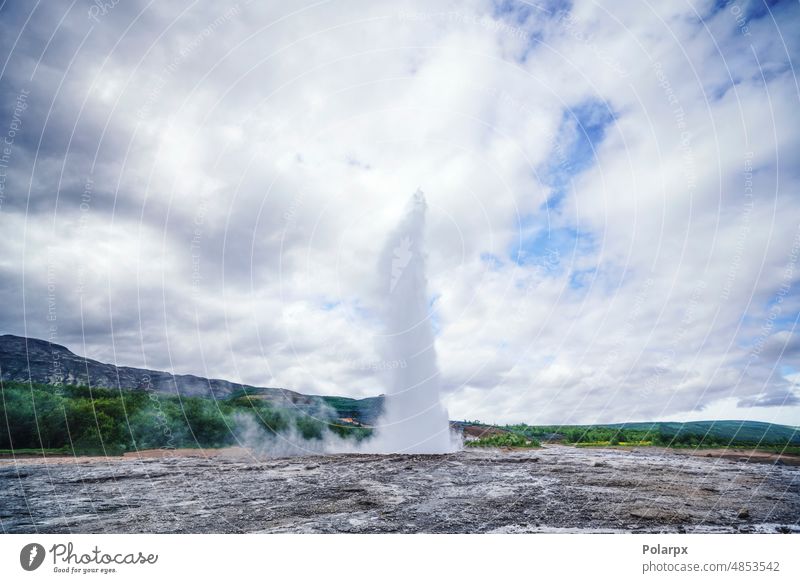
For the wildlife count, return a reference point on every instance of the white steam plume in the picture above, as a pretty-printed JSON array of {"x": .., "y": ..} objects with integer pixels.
[{"x": 414, "y": 420}]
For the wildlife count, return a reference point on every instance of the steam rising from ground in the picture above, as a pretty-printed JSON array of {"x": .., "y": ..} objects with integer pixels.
[
  {"x": 287, "y": 443},
  {"x": 413, "y": 419}
]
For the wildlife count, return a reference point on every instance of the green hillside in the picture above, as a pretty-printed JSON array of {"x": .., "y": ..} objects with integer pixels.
[
  {"x": 754, "y": 432},
  {"x": 365, "y": 411},
  {"x": 85, "y": 420},
  {"x": 691, "y": 433}
]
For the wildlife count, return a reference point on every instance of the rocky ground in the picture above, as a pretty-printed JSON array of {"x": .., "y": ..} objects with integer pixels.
[{"x": 552, "y": 489}]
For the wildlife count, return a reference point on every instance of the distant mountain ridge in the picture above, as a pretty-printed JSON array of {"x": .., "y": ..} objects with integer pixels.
[{"x": 39, "y": 361}]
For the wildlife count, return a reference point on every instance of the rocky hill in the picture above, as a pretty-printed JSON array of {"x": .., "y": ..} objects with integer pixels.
[
  {"x": 39, "y": 361},
  {"x": 29, "y": 359}
]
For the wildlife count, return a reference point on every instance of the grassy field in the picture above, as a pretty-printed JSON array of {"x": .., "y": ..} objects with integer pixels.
[
  {"x": 505, "y": 440},
  {"x": 35, "y": 451},
  {"x": 695, "y": 434}
]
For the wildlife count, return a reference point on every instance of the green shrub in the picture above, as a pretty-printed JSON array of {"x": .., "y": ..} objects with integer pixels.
[
  {"x": 309, "y": 427},
  {"x": 503, "y": 440}
]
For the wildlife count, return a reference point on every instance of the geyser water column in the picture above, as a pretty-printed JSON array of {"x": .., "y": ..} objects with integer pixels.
[{"x": 414, "y": 420}]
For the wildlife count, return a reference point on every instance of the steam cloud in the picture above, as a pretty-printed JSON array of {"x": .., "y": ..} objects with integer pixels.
[{"x": 413, "y": 419}]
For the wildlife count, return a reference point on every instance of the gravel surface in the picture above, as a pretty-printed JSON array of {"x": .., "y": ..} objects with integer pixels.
[{"x": 552, "y": 489}]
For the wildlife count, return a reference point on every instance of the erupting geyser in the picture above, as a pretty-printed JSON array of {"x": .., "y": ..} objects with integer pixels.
[{"x": 414, "y": 420}]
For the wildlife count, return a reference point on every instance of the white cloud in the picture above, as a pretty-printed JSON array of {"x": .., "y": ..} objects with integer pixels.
[{"x": 248, "y": 164}]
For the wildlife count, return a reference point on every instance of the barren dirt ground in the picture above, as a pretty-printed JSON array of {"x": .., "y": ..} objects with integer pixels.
[{"x": 552, "y": 489}]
